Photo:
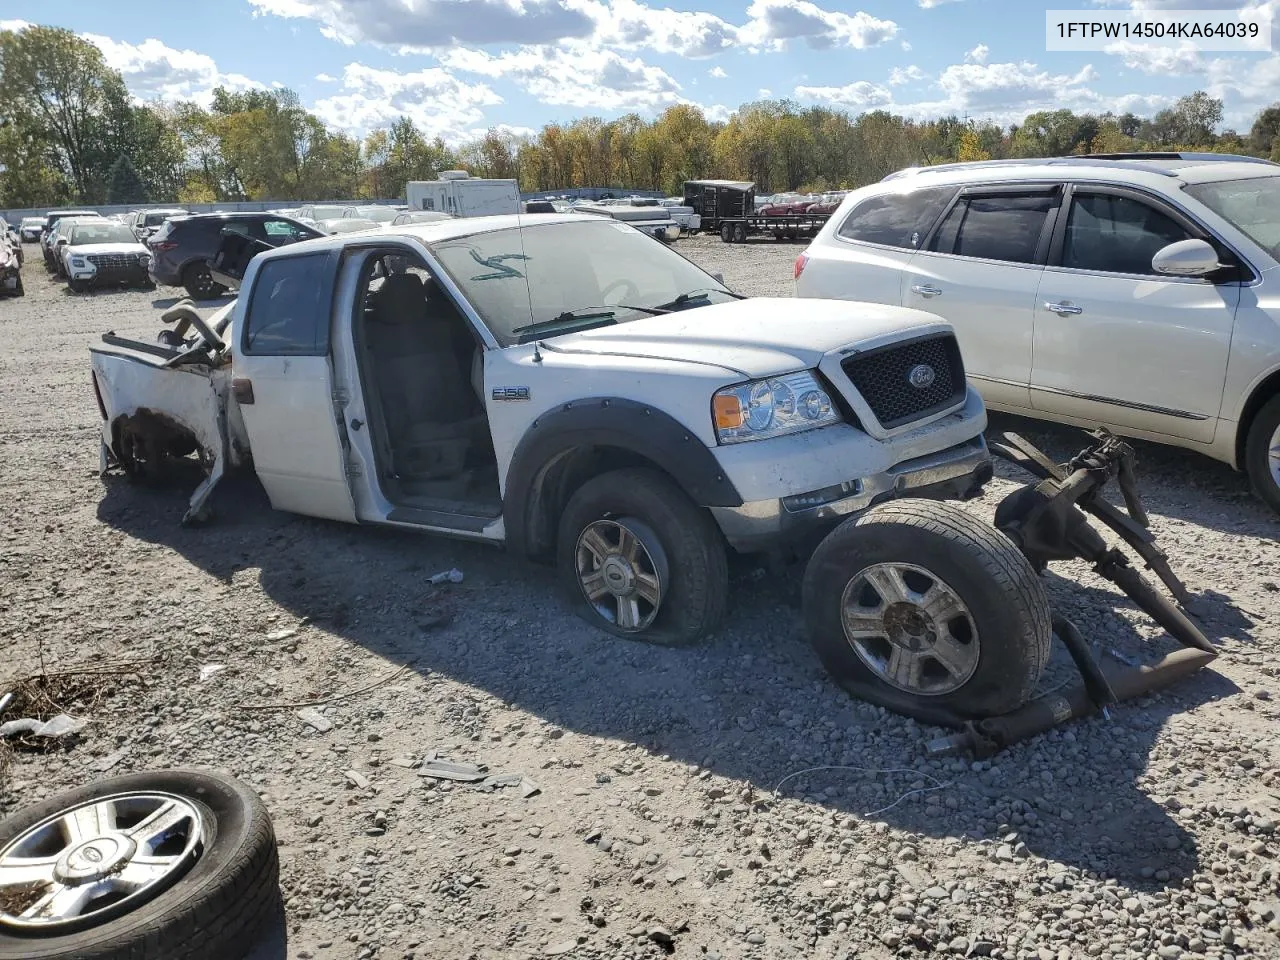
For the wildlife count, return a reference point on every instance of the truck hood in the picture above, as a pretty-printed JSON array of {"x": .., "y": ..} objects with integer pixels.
[
  {"x": 758, "y": 337},
  {"x": 122, "y": 247}
]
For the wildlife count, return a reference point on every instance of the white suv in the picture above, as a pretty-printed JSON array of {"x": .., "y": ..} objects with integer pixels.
[{"x": 1138, "y": 292}]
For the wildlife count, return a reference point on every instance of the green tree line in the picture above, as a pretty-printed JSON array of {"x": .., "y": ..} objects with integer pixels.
[{"x": 71, "y": 133}]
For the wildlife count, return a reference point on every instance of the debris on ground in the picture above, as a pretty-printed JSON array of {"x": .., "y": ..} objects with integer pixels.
[
  {"x": 53, "y": 729},
  {"x": 446, "y": 576},
  {"x": 314, "y": 718}
]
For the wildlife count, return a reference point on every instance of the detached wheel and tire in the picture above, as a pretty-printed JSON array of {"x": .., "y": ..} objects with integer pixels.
[
  {"x": 639, "y": 559},
  {"x": 920, "y": 607},
  {"x": 200, "y": 284},
  {"x": 1262, "y": 454},
  {"x": 179, "y": 864}
]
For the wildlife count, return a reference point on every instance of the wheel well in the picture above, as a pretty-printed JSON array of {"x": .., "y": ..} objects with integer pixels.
[
  {"x": 557, "y": 481},
  {"x": 1264, "y": 392},
  {"x": 158, "y": 429}
]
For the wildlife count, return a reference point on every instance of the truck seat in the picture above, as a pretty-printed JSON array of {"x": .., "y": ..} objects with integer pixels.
[{"x": 427, "y": 401}]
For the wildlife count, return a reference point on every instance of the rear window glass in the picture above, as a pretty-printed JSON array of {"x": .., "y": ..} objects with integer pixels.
[
  {"x": 1005, "y": 227},
  {"x": 896, "y": 219},
  {"x": 289, "y": 310}
]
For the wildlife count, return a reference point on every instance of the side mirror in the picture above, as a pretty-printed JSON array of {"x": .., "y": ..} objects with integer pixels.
[
  {"x": 718, "y": 278},
  {"x": 61, "y": 241},
  {"x": 1186, "y": 258}
]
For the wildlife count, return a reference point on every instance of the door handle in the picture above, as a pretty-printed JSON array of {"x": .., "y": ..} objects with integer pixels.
[
  {"x": 1063, "y": 309},
  {"x": 925, "y": 290}
]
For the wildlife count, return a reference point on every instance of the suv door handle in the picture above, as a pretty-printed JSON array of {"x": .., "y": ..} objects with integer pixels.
[
  {"x": 925, "y": 289},
  {"x": 1063, "y": 309}
]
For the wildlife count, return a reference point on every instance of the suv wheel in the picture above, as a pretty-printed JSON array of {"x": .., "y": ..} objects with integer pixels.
[
  {"x": 199, "y": 282},
  {"x": 920, "y": 607},
  {"x": 1262, "y": 454},
  {"x": 640, "y": 560}
]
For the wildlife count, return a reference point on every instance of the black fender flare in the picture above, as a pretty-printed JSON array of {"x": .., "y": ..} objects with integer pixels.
[{"x": 636, "y": 428}]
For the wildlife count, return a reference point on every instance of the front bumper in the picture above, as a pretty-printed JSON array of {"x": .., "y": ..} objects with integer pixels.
[
  {"x": 109, "y": 277},
  {"x": 956, "y": 473}
]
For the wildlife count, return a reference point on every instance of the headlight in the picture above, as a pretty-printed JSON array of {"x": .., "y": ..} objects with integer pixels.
[
  {"x": 772, "y": 407},
  {"x": 144, "y": 258},
  {"x": 78, "y": 261}
]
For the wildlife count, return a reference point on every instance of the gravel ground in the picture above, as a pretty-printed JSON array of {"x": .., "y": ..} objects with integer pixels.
[{"x": 658, "y": 828}]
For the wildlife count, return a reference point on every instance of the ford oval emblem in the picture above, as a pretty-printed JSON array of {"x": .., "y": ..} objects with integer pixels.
[{"x": 921, "y": 376}]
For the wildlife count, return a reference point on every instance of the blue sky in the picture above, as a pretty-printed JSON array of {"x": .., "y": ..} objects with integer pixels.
[{"x": 459, "y": 66}]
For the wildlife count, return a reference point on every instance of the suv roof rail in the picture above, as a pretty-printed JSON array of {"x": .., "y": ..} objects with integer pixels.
[{"x": 1130, "y": 161}]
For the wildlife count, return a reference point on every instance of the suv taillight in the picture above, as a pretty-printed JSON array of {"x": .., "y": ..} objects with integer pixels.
[{"x": 800, "y": 262}]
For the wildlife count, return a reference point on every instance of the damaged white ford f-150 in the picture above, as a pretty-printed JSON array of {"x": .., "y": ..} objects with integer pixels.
[{"x": 565, "y": 386}]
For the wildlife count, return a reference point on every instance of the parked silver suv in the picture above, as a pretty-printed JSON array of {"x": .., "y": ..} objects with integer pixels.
[{"x": 1137, "y": 292}]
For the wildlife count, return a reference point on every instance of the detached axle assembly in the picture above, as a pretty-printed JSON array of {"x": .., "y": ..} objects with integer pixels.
[{"x": 1051, "y": 521}]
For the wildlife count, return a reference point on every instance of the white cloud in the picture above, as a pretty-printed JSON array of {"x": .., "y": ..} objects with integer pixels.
[
  {"x": 772, "y": 23},
  {"x": 631, "y": 25},
  {"x": 325, "y": 78},
  {"x": 906, "y": 46},
  {"x": 717, "y": 72},
  {"x": 153, "y": 70},
  {"x": 978, "y": 54},
  {"x": 407, "y": 25},
  {"x": 764, "y": 93},
  {"x": 717, "y": 113},
  {"x": 930, "y": 4},
  {"x": 573, "y": 74},
  {"x": 900, "y": 75},
  {"x": 14, "y": 25},
  {"x": 857, "y": 96},
  {"x": 434, "y": 99}
]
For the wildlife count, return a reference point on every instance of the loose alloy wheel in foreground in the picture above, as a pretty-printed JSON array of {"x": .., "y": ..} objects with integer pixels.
[
  {"x": 165, "y": 865},
  {"x": 98, "y": 860},
  {"x": 640, "y": 560},
  {"x": 921, "y": 607},
  {"x": 910, "y": 628}
]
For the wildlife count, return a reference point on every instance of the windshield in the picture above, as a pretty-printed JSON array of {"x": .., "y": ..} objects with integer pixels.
[
  {"x": 104, "y": 232},
  {"x": 560, "y": 277},
  {"x": 327, "y": 213},
  {"x": 1252, "y": 206},
  {"x": 155, "y": 219},
  {"x": 378, "y": 214}
]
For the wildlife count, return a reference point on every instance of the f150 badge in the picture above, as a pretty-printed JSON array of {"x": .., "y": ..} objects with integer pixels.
[{"x": 510, "y": 393}]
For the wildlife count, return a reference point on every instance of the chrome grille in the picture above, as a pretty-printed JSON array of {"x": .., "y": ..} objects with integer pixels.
[
  {"x": 884, "y": 378},
  {"x": 116, "y": 262}
]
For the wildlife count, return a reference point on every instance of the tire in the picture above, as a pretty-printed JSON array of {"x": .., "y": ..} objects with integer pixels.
[
  {"x": 200, "y": 284},
  {"x": 1262, "y": 454},
  {"x": 77, "y": 286},
  {"x": 726, "y": 232},
  {"x": 687, "y": 555},
  {"x": 739, "y": 233},
  {"x": 1000, "y": 635},
  {"x": 215, "y": 910},
  {"x": 19, "y": 290}
]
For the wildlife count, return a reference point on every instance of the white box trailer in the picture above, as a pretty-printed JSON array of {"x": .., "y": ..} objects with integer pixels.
[{"x": 461, "y": 195}]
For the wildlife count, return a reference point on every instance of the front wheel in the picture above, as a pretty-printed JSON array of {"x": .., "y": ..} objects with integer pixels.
[
  {"x": 640, "y": 560},
  {"x": 1262, "y": 454},
  {"x": 920, "y": 607},
  {"x": 726, "y": 233},
  {"x": 77, "y": 286}
]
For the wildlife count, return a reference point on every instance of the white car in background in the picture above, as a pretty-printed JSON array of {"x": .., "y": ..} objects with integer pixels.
[
  {"x": 103, "y": 253},
  {"x": 1135, "y": 292},
  {"x": 345, "y": 225},
  {"x": 30, "y": 229}
]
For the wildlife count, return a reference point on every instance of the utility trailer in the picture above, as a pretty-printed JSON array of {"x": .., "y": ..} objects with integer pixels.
[
  {"x": 795, "y": 226},
  {"x": 728, "y": 207}
]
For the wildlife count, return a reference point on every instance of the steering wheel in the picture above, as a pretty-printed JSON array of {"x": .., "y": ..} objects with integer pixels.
[{"x": 629, "y": 290}]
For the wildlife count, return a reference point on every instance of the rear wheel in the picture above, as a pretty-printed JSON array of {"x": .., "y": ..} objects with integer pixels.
[
  {"x": 726, "y": 232},
  {"x": 200, "y": 284},
  {"x": 640, "y": 560},
  {"x": 739, "y": 233},
  {"x": 922, "y": 608},
  {"x": 1262, "y": 454}
]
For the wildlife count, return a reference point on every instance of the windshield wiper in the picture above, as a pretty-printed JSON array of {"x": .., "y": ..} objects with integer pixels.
[
  {"x": 700, "y": 294},
  {"x": 582, "y": 315}
]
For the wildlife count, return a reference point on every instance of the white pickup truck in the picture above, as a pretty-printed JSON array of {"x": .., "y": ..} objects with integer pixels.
[{"x": 563, "y": 385}]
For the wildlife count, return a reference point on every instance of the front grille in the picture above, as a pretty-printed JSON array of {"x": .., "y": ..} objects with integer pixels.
[
  {"x": 883, "y": 377},
  {"x": 115, "y": 263}
]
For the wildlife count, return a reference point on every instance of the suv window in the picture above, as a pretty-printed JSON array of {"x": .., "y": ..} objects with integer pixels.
[
  {"x": 995, "y": 227},
  {"x": 280, "y": 232},
  {"x": 289, "y": 310},
  {"x": 896, "y": 219},
  {"x": 1116, "y": 234}
]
